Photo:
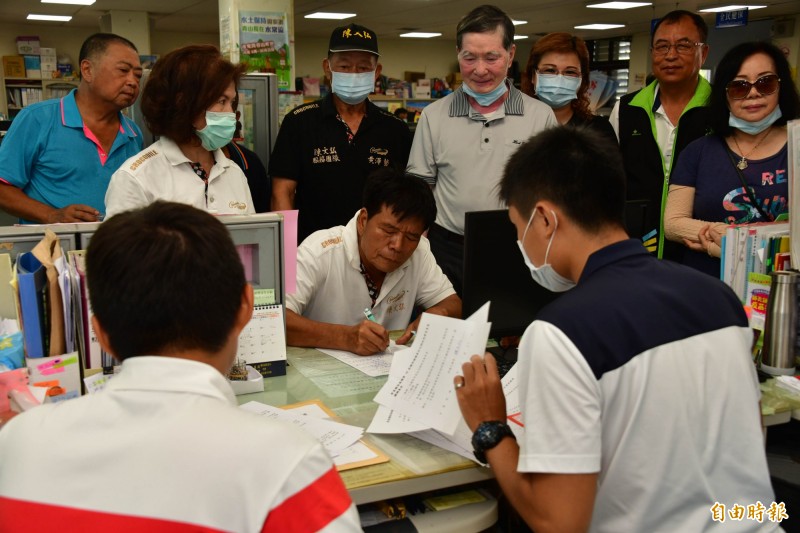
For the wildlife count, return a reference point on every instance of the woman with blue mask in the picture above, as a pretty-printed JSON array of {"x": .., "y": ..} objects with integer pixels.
[
  {"x": 187, "y": 101},
  {"x": 739, "y": 174},
  {"x": 558, "y": 74}
]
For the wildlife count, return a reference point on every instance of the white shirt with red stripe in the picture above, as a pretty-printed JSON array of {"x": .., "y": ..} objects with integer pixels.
[{"x": 164, "y": 448}]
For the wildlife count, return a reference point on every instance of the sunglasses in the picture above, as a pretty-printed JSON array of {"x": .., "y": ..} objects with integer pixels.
[{"x": 765, "y": 85}]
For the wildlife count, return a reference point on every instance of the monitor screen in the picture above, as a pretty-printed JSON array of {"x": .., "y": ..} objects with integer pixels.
[
  {"x": 494, "y": 271},
  {"x": 259, "y": 242}
]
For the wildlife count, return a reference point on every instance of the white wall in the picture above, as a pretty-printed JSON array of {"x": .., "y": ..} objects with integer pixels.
[{"x": 435, "y": 57}]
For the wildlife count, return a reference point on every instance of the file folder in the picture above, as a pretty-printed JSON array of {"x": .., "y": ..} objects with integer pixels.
[{"x": 32, "y": 281}]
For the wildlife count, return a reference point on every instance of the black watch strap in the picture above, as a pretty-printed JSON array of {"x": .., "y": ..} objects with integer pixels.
[{"x": 488, "y": 435}]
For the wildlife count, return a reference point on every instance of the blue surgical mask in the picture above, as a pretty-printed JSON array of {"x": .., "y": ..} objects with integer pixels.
[
  {"x": 352, "y": 88},
  {"x": 557, "y": 90},
  {"x": 754, "y": 128},
  {"x": 219, "y": 130},
  {"x": 487, "y": 99},
  {"x": 545, "y": 275}
]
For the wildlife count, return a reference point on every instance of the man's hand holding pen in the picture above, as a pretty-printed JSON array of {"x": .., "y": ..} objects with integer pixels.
[{"x": 369, "y": 337}]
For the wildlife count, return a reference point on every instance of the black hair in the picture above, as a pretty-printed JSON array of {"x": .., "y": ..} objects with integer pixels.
[
  {"x": 576, "y": 169},
  {"x": 673, "y": 17},
  {"x": 166, "y": 277},
  {"x": 405, "y": 195},
  {"x": 728, "y": 68},
  {"x": 96, "y": 45},
  {"x": 486, "y": 19}
]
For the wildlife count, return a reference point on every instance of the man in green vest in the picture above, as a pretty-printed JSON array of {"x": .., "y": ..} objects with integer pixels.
[{"x": 655, "y": 123}]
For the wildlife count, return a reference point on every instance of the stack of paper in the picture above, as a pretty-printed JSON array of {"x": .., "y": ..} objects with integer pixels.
[
  {"x": 419, "y": 397},
  {"x": 335, "y": 437}
]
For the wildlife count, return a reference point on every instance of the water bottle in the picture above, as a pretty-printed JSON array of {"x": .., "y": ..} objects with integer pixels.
[{"x": 780, "y": 330}]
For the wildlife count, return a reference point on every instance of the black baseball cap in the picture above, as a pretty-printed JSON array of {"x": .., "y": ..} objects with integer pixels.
[{"x": 353, "y": 38}]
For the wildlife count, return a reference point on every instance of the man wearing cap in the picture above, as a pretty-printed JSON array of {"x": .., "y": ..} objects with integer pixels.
[
  {"x": 326, "y": 149},
  {"x": 462, "y": 141}
]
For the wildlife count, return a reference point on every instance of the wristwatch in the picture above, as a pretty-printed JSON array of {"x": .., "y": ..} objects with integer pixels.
[{"x": 487, "y": 436}]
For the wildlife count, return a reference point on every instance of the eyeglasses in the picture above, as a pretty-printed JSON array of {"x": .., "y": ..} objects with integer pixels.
[
  {"x": 683, "y": 48},
  {"x": 765, "y": 85},
  {"x": 568, "y": 72}
]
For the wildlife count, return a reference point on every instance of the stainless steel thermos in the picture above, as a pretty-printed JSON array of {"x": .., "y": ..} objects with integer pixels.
[{"x": 780, "y": 330}]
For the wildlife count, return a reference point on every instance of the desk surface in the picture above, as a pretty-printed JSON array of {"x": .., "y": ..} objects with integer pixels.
[{"x": 415, "y": 466}]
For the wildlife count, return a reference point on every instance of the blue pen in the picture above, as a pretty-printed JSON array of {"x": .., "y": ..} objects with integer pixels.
[{"x": 369, "y": 315}]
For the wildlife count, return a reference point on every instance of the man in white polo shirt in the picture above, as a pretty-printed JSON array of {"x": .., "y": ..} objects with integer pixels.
[{"x": 357, "y": 282}]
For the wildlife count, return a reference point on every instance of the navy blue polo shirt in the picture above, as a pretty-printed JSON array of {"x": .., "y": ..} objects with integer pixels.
[{"x": 628, "y": 302}]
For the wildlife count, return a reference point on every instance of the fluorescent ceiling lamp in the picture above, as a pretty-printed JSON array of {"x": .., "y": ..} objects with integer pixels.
[
  {"x": 420, "y": 35},
  {"x": 731, "y": 7},
  {"x": 70, "y": 2},
  {"x": 332, "y": 16},
  {"x": 620, "y": 5},
  {"x": 599, "y": 26},
  {"x": 519, "y": 22},
  {"x": 518, "y": 37},
  {"x": 54, "y": 18}
]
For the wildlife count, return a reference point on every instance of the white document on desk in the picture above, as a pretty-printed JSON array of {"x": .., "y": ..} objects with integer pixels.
[
  {"x": 372, "y": 365},
  {"x": 334, "y": 436},
  {"x": 420, "y": 384}
]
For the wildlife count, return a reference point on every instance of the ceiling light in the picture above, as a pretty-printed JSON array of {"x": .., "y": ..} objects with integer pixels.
[
  {"x": 599, "y": 26},
  {"x": 620, "y": 5},
  {"x": 518, "y": 37},
  {"x": 420, "y": 35},
  {"x": 731, "y": 7},
  {"x": 333, "y": 16},
  {"x": 54, "y": 18},
  {"x": 519, "y": 22},
  {"x": 70, "y": 2}
]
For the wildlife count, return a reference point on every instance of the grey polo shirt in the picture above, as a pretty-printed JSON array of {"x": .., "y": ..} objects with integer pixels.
[{"x": 463, "y": 153}]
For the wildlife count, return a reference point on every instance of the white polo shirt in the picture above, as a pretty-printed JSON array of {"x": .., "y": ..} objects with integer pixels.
[
  {"x": 162, "y": 172},
  {"x": 331, "y": 288}
]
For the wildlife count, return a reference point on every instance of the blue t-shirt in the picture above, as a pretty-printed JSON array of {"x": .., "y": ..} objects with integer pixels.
[
  {"x": 47, "y": 154},
  {"x": 706, "y": 165}
]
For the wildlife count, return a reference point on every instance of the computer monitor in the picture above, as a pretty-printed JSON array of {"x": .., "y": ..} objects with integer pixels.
[
  {"x": 259, "y": 240},
  {"x": 494, "y": 271}
]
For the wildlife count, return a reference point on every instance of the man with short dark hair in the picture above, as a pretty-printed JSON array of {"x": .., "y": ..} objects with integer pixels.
[
  {"x": 463, "y": 140},
  {"x": 58, "y": 156},
  {"x": 637, "y": 388},
  {"x": 380, "y": 261},
  {"x": 164, "y": 446},
  {"x": 674, "y": 106},
  {"x": 326, "y": 149}
]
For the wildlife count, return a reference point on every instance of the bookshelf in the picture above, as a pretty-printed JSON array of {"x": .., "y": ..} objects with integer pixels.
[{"x": 21, "y": 92}]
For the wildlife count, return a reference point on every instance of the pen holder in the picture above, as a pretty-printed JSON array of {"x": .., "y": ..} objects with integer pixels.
[
  {"x": 780, "y": 330},
  {"x": 253, "y": 383}
]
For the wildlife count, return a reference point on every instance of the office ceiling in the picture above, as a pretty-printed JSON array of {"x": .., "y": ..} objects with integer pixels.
[{"x": 388, "y": 18}]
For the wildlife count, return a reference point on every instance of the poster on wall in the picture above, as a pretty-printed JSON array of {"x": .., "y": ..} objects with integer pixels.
[{"x": 264, "y": 44}]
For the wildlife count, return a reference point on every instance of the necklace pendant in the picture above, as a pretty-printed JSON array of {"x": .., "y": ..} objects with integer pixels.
[{"x": 741, "y": 165}]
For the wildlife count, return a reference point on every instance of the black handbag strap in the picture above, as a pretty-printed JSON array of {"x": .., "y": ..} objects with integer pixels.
[{"x": 749, "y": 190}]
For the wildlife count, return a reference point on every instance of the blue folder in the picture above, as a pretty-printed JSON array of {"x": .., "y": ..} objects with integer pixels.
[{"x": 32, "y": 282}]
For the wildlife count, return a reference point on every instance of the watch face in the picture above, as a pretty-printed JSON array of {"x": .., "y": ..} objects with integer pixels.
[{"x": 489, "y": 434}]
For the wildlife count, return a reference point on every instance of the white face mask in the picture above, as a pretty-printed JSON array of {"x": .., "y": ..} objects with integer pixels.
[{"x": 545, "y": 275}]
